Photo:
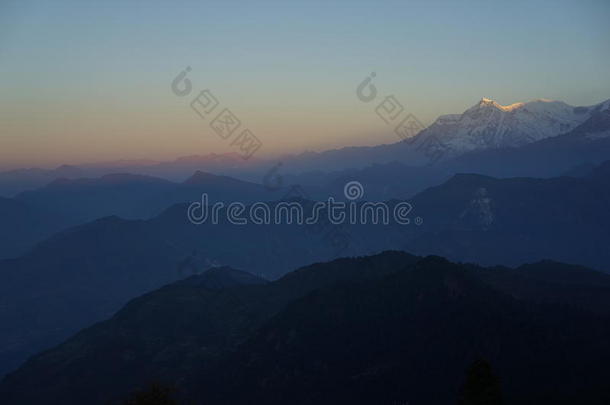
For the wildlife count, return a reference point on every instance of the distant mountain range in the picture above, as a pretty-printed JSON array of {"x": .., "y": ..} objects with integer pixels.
[
  {"x": 14, "y": 182},
  {"x": 136, "y": 196},
  {"x": 587, "y": 144},
  {"x": 52, "y": 284},
  {"x": 84, "y": 274},
  {"x": 537, "y": 138},
  {"x": 32, "y": 216},
  {"x": 485, "y": 127},
  {"x": 496, "y": 185},
  {"x": 390, "y": 328},
  {"x": 485, "y": 145}
]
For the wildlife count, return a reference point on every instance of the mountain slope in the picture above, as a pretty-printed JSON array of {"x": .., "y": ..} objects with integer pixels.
[
  {"x": 214, "y": 317},
  {"x": 390, "y": 327},
  {"x": 403, "y": 337},
  {"x": 511, "y": 221},
  {"x": 587, "y": 144},
  {"x": 486, "y": 126},
  {"x": 489, "y": 125},
  {"x": 77, "y": 276},
  {"x": 85, "y": 273},
  {"x": 21, "y": 226}
]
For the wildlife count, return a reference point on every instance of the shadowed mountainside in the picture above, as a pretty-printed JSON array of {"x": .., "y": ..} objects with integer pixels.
[
  {"x": 21, "y": 226},
  {"x": 390, "y": 327}
]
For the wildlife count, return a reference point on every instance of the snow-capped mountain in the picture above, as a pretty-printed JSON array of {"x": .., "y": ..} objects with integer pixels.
[
  {"x": 485, "y": 127},
  {"x": 587, "y": 144},
  {"x": 489, "y": 125}
]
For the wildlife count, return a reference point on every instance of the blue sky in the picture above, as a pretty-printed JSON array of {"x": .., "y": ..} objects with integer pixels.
[{"x": 84, "y": 81}]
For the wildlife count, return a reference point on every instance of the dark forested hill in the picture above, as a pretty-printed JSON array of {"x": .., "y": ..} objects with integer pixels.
[{"x": 382, "y": 329}]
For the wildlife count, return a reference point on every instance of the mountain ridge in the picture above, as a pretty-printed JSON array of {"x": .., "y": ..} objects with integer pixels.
[{"x": 355, "y": 328}]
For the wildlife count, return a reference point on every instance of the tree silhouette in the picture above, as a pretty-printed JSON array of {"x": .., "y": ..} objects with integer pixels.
[{"x": 482, "y": 387}]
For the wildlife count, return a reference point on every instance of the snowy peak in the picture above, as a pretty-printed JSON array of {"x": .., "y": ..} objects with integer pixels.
[
  {"x": 488, "y": 124},
  {"x": 489, "y": 103},
  {"x": 535, "y": 105}
]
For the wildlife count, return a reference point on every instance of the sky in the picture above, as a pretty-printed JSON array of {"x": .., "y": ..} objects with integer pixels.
[{"x": 91, "y": 81}]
